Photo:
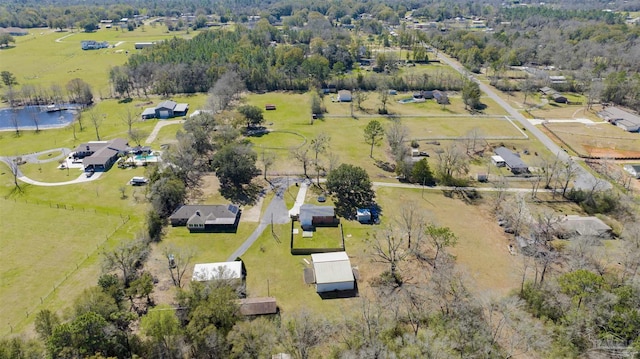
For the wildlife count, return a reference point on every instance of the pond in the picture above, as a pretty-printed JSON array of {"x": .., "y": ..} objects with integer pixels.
[{"x": 52, "y": 116}]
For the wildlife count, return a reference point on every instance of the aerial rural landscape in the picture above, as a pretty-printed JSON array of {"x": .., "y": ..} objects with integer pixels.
[{"x": 319, "y": 179}]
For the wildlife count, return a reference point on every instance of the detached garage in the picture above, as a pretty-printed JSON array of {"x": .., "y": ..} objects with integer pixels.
[{"x": 332, "y": 272}]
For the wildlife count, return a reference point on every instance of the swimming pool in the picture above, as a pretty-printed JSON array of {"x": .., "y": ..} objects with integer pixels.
[
  {"x": 148, "y": 158},
  {"x": 407, "y": 100}
]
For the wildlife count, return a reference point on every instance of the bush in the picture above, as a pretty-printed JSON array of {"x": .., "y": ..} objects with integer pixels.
[{"x": 414, "y": 144}]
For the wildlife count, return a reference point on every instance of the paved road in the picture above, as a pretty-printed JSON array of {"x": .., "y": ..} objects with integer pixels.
[
  {"x": 276, "y": 212},
  {"x": 584, "y": 179},
  {"x": 448, "y": 188}
]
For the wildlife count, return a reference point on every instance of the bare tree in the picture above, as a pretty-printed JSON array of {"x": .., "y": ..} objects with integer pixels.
[
  {"x": 268, "y": 159},
  {"x": 383, "y": 96},
  {"x": 452, "y": 162},
  {"x": 225, "y": 91},
  {"x": 550, "y": 169},
  {"x": 301, "y": 154},
  {"x": 360, "y": 97},
  {"x": 568, "y": 173},
  {"x": 136, "y": 135},
  {"x": 471, "y": 139},
  {"x": 389, "y": 248},
  {"x": 397, "y": 134},
  {"x": 178, "y": 261},
  {"x": 129, "y": 119},
  {"x": 303, "y": 333},
  {"x": 35, "y": 119},
  {"x": 14, "y": 166},
  {"x": 15, "y": 122},
  {"x": 96, "y": 120},
  {"x": 516, "y": 211},
  {"x": 319, "y": 144},
  {"x": 412, "y": 222},
  {"x": 126, "y": 258},
  {"x": 500, "y": 186}
]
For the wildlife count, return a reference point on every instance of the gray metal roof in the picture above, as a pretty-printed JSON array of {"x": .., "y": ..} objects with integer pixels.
[
  {"x": 333, "y": 267},
  {"x": 615, "y": 113},
  {"x": 510, "y": 158}
]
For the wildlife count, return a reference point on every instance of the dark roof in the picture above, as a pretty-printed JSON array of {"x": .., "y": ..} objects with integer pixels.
[
  {"x": 207, "y": 214},
  {"x": 258, "y": 306},
  {"x": 510, "y": 158},
  {"x": 167, "y": 104},
  {"x": 614, "y": 113},
  {"x": 308, "y": 211}
]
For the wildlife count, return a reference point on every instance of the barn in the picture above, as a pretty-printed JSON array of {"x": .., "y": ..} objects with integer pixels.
[{"x": 332, "y": 272}]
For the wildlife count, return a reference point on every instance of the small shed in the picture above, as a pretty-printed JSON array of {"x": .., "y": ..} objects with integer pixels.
[
  {"x": 333, "y": 272},
  {"x": 270, "y": 107},
  {"x": 203, "y": 272},
  {"x": 258, "y": 306},
  {"x": 312, "y": 216},
  {"x": 363, "y": 215},
  {"x": 344, "y": 96}
]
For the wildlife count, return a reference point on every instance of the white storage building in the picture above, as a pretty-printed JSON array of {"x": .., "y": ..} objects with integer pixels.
[{"x": 332, "y": 272}]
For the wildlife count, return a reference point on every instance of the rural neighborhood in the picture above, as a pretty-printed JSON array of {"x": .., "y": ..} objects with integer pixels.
[{"x": 313, "y": 179}]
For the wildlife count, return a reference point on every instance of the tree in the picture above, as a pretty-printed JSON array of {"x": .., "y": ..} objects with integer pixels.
[
  {"x": 224, "y": 91},
  {"x": 167, "y": 194},
  {"x": 268, "y": 159},
  {"x": 301, "y": 154},
  {"x": 471, "y": 95},
  {"x": 303, "y": 333},
  {"x": 79, "y": 92},
  {"x": 528, "y": 88},
  {"x": 6, "y": 39},
  {"x": 373, "y": 134},
  {"x": 9, "y": 80},
  {"x": 96, "y": 120},
  {"x": 568, "y": 173},
  {"x": 319, "y": 145},
  {"x": 178, "y": 260},
  {"x": 126, "y": 258},
  {"x": 580, "y": 284},
  {"x": 162, "y": 326},
  {"x": 360, "y": 97},
  {"x": 383, "y": 96},
  {"x": 452, "y": 162},
  {"x": 235, "y": 164},
  {"x": 252, "y": 114},
  {"x": 14, "y": 166},
  {"x": 352, "y": 189},
  {"x": 439, "y": 238},
  {"x": 389, "y": 248},
  {"x": 45, "y": 322},
  {"x": 253, "y": 339},
  {"x": 421, "y": 173}
]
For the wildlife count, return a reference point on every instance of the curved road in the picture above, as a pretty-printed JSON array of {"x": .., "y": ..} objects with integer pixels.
[{"x": 584, "y": 180}]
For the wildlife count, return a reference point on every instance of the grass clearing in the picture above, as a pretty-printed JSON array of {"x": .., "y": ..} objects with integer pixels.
[
  {"x": 41, "y": 248},
  {"x": 589, "y": 140},
  {"x": 322, "y": 237}
]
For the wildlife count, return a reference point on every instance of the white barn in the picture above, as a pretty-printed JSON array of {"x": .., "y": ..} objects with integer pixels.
[
  {"x": 332, "y": 272},
  {"x": 203, "y": 272}
]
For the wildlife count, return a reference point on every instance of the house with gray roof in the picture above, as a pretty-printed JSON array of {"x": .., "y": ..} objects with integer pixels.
[
  {"x": 512, "y": 160},
  {"x": 573, "y": 225},
  {"x": 633, "y": 169},
  {"x": 312, "y": 216},
  {"x": 621, "y": 118},
  {"x": 100, "y": 155},
  {"x": 207, "y": 218},
  {"x": 166, "y": 109}
]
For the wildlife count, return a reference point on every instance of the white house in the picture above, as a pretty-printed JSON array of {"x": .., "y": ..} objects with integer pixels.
[
  {"x": 332, "y": 272},
  {"x": 634, "y": 170},
  {"x": 203, "y": 272}
]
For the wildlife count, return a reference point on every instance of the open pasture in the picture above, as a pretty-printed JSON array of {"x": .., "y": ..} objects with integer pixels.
[
  {"x": 46, "y": 57},
  {"x": 600, "y": 139}
]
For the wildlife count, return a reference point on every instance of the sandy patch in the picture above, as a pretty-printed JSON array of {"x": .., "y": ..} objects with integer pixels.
[{"x": 252, "y": 214}]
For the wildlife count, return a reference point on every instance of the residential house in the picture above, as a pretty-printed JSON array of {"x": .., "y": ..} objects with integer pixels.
[
  {"x": 558, "y": 79},
  {"x": 166, "y": 109},
  {"x": 573, "y": 225},
  {"x": 427, "y": 95},
  {"x": 634, "y": 170},
  {"x": 332, "y": 272},
  {"x": 258, "y": 306},
  {"x": 512, "y": 161},
  {"x": 207, "y": 218},
  {"x": 312, "y": 216},
  {"x": 100, "y": 155},
  {"x": 94, "y": 45},
  {"x": 621, "y": 118},
  {"x": 344, "y": 96},
  {"x": 230, "y": 271},
  {"x": 441, "y": 97}
]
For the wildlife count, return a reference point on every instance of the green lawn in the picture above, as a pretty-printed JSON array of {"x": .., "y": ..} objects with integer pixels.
[
  {"x": 42, "y": 247},
  {"x": 45, "y": 57},
  {"x": 323, "y": 237}
]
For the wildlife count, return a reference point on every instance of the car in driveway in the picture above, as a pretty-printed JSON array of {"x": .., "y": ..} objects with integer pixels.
[{"x": 89, "y": 174}]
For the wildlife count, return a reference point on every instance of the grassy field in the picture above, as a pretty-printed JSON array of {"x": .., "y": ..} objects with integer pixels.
[
  {"x": 66, "y": 60},
  {"x": 323, "y": 237},
  {"x": 597, "y": 139}
]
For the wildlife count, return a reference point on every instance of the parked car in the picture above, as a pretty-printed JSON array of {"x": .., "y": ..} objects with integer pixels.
[{"x": 89, "y": 174}]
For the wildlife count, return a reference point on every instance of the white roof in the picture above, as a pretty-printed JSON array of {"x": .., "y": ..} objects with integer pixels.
[
  {"x": 332, "y": 267},
  {"x": 222, "y": 270},
  {"x": 497, "y": 158}
]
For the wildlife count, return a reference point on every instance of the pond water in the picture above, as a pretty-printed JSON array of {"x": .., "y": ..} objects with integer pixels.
[{"x": 47, "y": 117}]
